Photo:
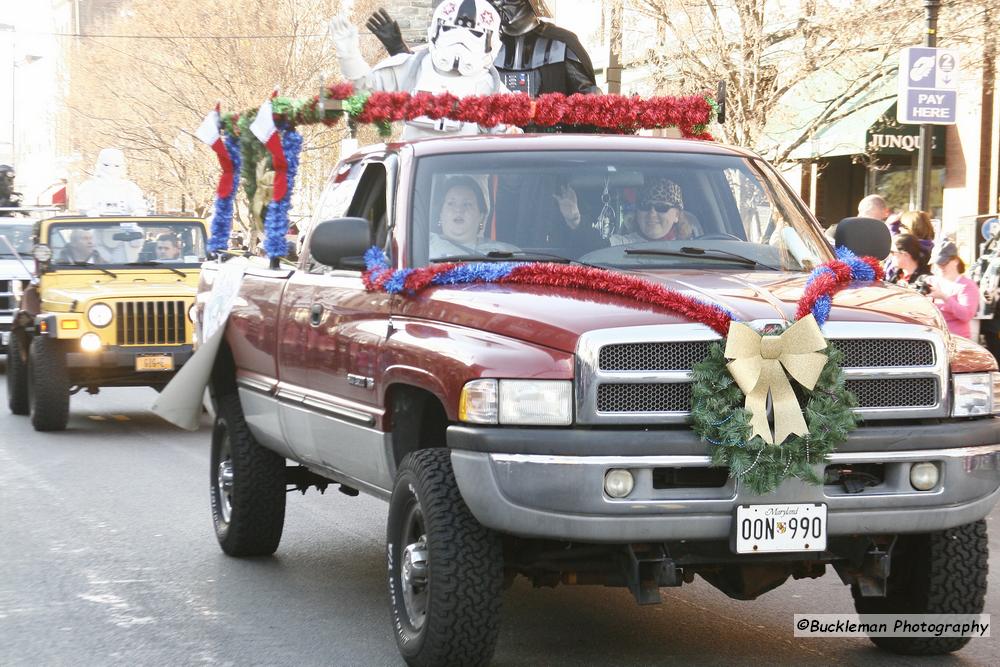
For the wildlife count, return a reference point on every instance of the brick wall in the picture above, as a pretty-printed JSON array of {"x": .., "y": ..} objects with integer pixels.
[{"x": 413, "y": 16}]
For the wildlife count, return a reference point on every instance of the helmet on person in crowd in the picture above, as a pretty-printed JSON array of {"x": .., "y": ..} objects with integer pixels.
[{"x": 464, "y": 36}]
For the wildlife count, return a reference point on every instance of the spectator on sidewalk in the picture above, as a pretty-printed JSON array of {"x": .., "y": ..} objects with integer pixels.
[
  {"x": 909, "y": 262},
  {"x": 955, "y": 295},
  {"x": 919, "y": 224},
  {"x": 874, "y": 206}
]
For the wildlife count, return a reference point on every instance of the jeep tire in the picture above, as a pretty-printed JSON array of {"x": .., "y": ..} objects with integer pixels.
[
  {"x": 17, "y": 373},
  {"x": 445, "y": 569},
  {"x": 48, "y": 385},
  {"x": 933, "y": 573},
  {"x": 247, "y": 486}
]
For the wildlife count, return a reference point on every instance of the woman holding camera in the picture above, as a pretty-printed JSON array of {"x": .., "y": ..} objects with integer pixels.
[
  {"x": 955, "y": 295},
  {"x": 909, "y": 262}
]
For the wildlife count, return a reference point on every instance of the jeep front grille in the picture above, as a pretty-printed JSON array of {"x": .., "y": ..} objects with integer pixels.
[
  {"x": 642, "y": 375},
  {"x": 151, "y": 322},
  {"x": 7, "y": 302}
]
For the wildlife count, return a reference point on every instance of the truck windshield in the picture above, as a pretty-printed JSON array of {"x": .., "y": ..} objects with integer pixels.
[
  {"x": 631, "y": 210},
  {"x": 18, "y": 236},
  {"x": 123, "y": 243}
]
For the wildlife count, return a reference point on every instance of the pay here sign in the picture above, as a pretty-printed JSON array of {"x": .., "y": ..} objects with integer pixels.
[{"x": 928, "y": 86}]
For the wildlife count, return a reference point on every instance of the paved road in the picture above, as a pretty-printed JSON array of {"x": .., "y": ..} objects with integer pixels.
[{"x": 107, "y": 557}]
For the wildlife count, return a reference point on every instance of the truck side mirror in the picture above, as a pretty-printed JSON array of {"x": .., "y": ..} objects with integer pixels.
[
  {"x": 864, "y": 237},
  {"x": 332, "y": 242}
]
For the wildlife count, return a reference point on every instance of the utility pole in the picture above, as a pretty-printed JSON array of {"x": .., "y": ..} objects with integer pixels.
[
  {"x": 927, "y": 131},
  {"x": 614, "y": 73}
]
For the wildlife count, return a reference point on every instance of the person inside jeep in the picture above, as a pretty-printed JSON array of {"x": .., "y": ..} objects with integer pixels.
[
  {"x": 81, "y": 249},
  {"x": 168, "y": 247}
]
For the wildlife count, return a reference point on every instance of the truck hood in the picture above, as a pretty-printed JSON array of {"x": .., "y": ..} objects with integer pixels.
[
  {"x": 556, "y": 317},
  {"x": 63, "y": 299},
  {"x": 11, "y": 269}
]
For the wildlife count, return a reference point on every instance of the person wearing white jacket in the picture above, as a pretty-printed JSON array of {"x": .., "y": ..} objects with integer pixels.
[{"x": 463, "y": 40}]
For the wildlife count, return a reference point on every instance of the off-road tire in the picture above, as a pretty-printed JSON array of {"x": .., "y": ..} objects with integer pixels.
[
  {"x": 464, "y": 565},
  {"x": 257, "y": 497},
  {"x": 17, "y": 374},
  {"x": 48, "y": 385},
  {"x": 933, "y": 573}
]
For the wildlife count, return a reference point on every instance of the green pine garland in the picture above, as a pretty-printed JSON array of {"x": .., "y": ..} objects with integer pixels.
[{"x": 720, "y": 419}]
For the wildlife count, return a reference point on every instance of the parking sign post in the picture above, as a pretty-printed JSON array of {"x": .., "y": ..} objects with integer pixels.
[{"x": 928, "y": 95}]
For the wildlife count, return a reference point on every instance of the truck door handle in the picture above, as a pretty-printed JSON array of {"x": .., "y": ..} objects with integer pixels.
[{"x": 316, "y": 315}]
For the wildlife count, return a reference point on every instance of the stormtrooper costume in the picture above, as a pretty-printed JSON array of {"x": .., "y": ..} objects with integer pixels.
[
  {"x": 463, "y": 41},
  {"x": 109, "y": 192},
  {"x": 535, "y": 57}
]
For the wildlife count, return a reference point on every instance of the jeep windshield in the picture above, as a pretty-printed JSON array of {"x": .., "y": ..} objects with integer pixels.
[
  {"x": 130, "y": 244},
  {"x": 629, "y": 210},
  {"x": 18, "y": 237}
]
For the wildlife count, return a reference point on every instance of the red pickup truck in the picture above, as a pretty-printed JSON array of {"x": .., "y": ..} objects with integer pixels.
[{"x": 544, "y": 430}]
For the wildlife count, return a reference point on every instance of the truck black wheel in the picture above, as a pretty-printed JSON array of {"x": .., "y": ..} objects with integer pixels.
[
  {"x": 445, "y": 568},
  {"x": 247, "y": 484},
  {"x": 48, "y": 385},
  {"x": 933, "y": 573},
  {"x": 17, "y": 374}
]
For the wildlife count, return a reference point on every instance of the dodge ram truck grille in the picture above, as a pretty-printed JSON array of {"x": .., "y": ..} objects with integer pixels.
[
  {"x": 865, "y": 353},
  {"x": 151, "y": 322},
  {"x": 643, "y": 374}
]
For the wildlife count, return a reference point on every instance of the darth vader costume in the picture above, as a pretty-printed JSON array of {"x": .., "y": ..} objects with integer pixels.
[{"x": 535, "y": 57}]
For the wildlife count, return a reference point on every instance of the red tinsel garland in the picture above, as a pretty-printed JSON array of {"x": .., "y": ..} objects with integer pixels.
[{"x": 614, "y": 113}]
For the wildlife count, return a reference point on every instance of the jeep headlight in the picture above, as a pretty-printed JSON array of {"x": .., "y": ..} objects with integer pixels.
[
  {"x": 100, "y": 315},
  {"x": 517, "y": 402},
  {"x": 973, "y": 396}
]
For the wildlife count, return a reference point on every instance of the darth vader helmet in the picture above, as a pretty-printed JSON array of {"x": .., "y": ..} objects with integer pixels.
[
  {"x": 464, "y": 36},
  {"x": 520, "y": 16}
]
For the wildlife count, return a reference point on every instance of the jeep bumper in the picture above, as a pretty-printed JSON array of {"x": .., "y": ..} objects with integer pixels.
[
  {"x": 116, "y": 365},
  {"x": 556, "y": 495}
]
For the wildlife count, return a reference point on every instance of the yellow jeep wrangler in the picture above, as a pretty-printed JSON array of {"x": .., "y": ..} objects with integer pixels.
[{"x": 110, "y": 306}]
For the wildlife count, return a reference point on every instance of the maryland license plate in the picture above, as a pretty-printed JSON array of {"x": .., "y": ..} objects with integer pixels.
[
  {"x": 154, "y": 362},
  {"x": 762, "y": 529}
]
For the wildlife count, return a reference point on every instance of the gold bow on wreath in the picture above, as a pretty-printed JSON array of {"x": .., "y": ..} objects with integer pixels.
[{"x": 759, "y": 364}]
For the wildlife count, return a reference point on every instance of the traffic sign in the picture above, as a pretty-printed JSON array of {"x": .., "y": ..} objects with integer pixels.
[{"x": 928, "y": 86}]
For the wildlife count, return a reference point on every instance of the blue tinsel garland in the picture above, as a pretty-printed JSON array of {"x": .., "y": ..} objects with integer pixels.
[
  {"x": 276, "y": 218},
  {"x": 222, "y": 219}
]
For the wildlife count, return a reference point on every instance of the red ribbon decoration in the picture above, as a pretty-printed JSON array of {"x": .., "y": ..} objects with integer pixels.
[
  {"x": 225, "y": 187},
  {"x": 280, "y": 165}
]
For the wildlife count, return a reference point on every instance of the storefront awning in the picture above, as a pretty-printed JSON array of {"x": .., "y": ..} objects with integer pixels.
[{"x": 847, "y": 136}]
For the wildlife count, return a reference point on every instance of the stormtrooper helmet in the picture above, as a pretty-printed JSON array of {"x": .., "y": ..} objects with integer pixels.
[
  {"x": 110, "y": 163},
  {"x": 464, "y": 36}
]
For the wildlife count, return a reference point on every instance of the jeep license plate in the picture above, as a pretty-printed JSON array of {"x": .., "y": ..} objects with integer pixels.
[
  {"x": 762, "y": 529},
  {"x": 154, "y": 362}
]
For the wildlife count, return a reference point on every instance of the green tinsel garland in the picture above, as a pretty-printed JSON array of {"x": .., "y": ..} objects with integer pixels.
[{"x": 720, "y": 419}]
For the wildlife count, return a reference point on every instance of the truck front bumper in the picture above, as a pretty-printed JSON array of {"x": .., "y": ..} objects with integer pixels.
[{"x": 556, "y": 495}]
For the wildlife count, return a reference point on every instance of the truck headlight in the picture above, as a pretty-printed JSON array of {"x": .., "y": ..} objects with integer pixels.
[
  {"x": 517, "y": 402},
  {"x": 537, "y": 402},
  {"x": 995, "y": 377},
  {"x": 973, "y": 394},
  {"x": 100, "y": 315}
]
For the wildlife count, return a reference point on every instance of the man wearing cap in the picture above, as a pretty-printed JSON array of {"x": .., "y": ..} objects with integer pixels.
[{"x": 955, "y": 295}]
